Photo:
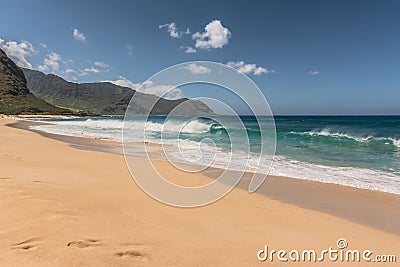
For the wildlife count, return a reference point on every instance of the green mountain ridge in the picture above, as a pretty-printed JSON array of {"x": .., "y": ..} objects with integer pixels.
[
  {"x": 15, "y": 97},
  {"x": 105, "y": 98}
]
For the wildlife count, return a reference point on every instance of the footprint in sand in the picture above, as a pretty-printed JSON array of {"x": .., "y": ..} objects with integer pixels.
[
  {"x": 134, "y": 251},
  {"x": 39, "y": 182},
  {"x": 87, "y": 243},
  {"x": 11, "y": 156},
  {"x": 27, "y": 245},
  {"x": 133, "y": 254}
]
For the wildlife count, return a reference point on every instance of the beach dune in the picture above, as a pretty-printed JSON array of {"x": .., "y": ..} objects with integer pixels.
[{"x": 61, "y": 206}]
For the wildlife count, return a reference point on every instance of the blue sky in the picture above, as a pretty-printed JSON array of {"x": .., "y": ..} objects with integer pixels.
[{"x": 310, "y": 57}]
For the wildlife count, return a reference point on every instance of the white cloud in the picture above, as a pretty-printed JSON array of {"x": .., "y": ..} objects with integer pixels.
[
  {"x": 149, "y": 88},
  {"x": 18, "y": 52},
  {"x": 165, "y": 91},
  {"x": 86, "y": 71},
  {"x": 101, "y": 64},
  {"x": 130, "y": 49},
  {"x": 197, "y": 69},
  {"x": 43, "y": 68},
  {"x": 97, "y": 67},
  {"x": 247, "y": 68},
  {"x": 51, "y": 62},
  {"x": 80, "y": 36},
  {"x": 173, "y": 30},
  {"x": 188, "y": 49},
  {"x": 214, "y": 36},
  {"x": 313, "y": 72},
  {"x": 94, "y": 70},
  {"x": 70, "y": 71},
  {"x": 259, "y": 71},
  {"x": 122, "y": 81}
]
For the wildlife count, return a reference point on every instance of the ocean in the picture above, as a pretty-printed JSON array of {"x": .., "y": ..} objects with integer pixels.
[{"x": 357, "y": 151}]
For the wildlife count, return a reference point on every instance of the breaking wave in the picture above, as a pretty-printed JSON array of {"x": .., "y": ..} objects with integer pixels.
[{"x": 343, "y": 135}]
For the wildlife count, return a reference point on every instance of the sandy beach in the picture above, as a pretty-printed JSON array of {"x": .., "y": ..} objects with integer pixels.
[{"x": 63, "y": 206}]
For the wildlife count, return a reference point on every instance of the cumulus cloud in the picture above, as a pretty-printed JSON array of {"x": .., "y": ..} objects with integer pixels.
[
  {"x": 19, "y": 52},
  {"x": 51, "y": 63},
  {"x": 173, "y": 31},
  {"x": 80, "y": 36},
  {"x": 313, "y": 72},
  {"x": 197, "y": 69},
  {"x": 247, "y": 68},
  {"x": 215, "y": 35},
  {"x": 188, "y": 49},
  {"x": 166, "y": 91}
]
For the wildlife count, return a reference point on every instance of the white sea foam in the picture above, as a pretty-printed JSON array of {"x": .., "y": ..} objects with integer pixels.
[
  {"x": 201, "y": 154},
  {"x": 348, "y": 176},
  {"x": 396, "y": 142},
  {"x": 193, "y": 126},
  {"x": 92, "y": 128},
  {"x": 91, "y": 123},
  {"x": 112, "y": 128},
  {"x": 335, "y": 134}
]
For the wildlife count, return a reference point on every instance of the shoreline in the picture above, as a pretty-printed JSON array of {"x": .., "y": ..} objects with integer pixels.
[
  {"x": 296, "y": 161},
  {"x": 367, "y": 207}
]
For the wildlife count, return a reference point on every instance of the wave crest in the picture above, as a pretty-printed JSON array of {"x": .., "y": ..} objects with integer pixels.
[{"x": 367, "y": 139}]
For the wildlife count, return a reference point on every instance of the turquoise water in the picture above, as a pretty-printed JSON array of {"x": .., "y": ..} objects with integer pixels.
[
  {"x": 359, "y": 151},
  {"x": 366, "y": 142}
]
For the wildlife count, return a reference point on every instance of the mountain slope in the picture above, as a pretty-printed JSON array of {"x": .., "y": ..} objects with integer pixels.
[
  {"x": 104, "y": 98},
  {"x": 15, "y": 97}
]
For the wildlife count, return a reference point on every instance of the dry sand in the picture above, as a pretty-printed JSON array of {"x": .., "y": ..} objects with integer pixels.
[{"x": 61, "y": 206}]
